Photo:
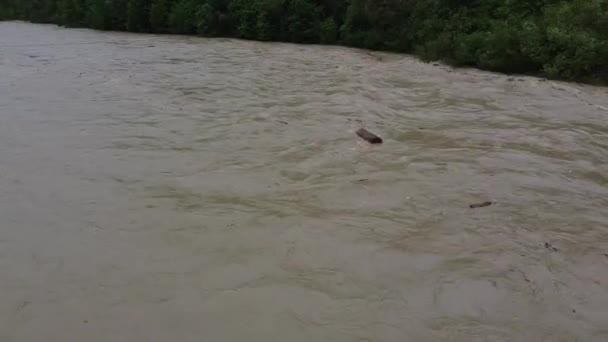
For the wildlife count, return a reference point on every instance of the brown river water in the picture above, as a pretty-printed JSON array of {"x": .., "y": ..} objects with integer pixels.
[{"x": 166, "y": 188}]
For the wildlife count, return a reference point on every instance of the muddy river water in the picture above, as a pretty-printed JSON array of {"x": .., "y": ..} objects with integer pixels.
[{"x": 164, "y": 188}]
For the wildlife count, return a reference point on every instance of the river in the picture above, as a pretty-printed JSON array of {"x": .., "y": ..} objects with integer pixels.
[{"x": 167, "y": 188}]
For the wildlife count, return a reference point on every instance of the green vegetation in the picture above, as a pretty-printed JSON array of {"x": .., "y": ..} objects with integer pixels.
[{"x": 557, "y": 38}]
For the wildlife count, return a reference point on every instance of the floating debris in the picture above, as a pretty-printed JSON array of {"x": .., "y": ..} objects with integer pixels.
[
  {"x": 355, "y": 120},
  {"x": 481, "y": 205},
  {"x": 550, "y": 247},
  {"x": 369, "y": 136}
]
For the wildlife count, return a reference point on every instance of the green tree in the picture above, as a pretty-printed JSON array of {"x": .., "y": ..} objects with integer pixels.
[
  {"x": 159, "y": 15},
  {"x": 328, "y": 31},
  {"x": 137, "y": 15},
  {"x": 71, "y": 12},
  {"x": 577, "y": 39},
  {"x": 301, "y": 21},
  {"x": 97, "y": 15},
  {"x": 206, "y": 22},
  {"x": 245, "y": 13},
  {"x": 182, "y": 17},
  {"x": 40, "y": 11},
  {"x": 117, "y": 14}
]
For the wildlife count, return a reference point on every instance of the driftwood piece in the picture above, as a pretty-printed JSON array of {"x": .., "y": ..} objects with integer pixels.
[
  {"x": 480, "y": 205},
  {"x": 550, "y": 247},
  {"x": 369, "y": 136}
]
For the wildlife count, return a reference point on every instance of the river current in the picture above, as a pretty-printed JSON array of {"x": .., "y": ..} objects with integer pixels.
[{"x": 167, "y": 188}]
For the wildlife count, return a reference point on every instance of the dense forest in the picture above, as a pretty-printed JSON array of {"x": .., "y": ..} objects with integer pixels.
[{"x": 558, "y": 38}]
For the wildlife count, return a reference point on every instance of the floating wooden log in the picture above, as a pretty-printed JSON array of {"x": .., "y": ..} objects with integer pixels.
[
  {"x": 550, "y": 247},
  {"x": 481, "y": 205},
  {"x": 369, "y": 136}
]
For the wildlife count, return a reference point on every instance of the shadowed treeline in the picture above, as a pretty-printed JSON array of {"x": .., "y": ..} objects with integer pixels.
[{"x": 563, "y": 39}]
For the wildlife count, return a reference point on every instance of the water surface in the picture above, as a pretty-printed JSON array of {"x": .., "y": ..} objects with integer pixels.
[{"x": 164, "y": 188}]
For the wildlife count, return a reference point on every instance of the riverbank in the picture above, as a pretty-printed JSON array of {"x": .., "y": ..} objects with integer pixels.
[{"x": 563, "y": 40}]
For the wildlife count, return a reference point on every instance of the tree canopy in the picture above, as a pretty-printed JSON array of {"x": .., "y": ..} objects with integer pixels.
[{"x": 558, "y": 38}]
